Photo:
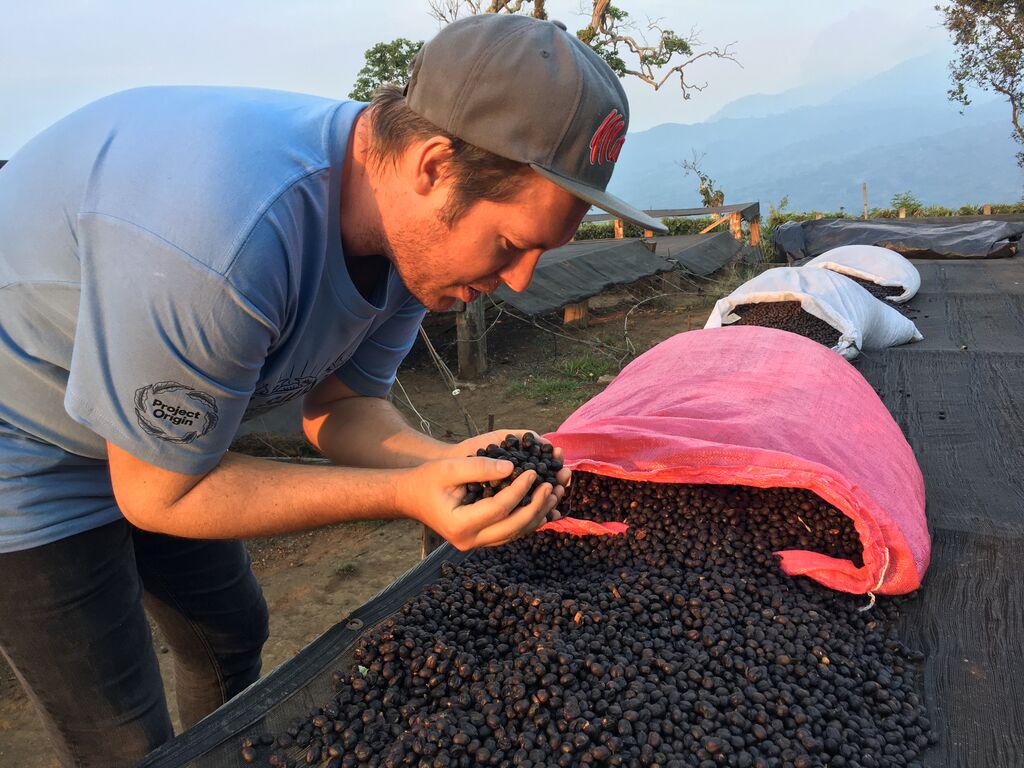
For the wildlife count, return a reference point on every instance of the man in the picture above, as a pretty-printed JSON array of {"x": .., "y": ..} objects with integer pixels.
[{"x": 173, "y": 260}]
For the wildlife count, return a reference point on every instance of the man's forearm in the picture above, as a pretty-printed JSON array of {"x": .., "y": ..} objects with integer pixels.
[
  {"x": 245, "y": 496},
  {"x": 369, "y": 432}
]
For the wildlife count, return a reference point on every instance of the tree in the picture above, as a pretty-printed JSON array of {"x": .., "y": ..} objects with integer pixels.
[
  {"x": 711, "y": 197},
  {"x": 989, "y": 39},
  {"x": 611, "y": 33},
  {"x": 386, "y": 63}
]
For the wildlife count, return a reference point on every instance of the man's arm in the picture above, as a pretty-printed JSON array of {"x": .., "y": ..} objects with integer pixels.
[
  {"x": 357, "y": 431},
  {"x": 245, "y": 496}
]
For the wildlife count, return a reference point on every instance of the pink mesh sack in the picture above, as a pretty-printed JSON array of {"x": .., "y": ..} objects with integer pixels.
[{"x": 761, "y": 407}]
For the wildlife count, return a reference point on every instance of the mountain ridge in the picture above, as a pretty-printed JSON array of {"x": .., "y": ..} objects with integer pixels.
[{"x": 896, "y": 130}]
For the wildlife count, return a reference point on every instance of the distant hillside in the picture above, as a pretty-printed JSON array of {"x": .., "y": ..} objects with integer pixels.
[
  {"x": 765, "y": 104},
  {"x": 896, "y": 131}
]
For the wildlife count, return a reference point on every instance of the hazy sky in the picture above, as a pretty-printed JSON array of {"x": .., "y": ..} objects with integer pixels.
[{"x": 56, "y": 55}]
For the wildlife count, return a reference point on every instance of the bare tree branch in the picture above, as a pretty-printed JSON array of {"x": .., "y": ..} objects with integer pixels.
[
  {"x": 515, "y": 6},
  {"x": 447, "y": 11},
  {"x": 656, "y": 62}
]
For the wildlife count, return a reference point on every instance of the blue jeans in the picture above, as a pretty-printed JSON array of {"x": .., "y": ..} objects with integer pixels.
[{"x": 73, "y": 628}]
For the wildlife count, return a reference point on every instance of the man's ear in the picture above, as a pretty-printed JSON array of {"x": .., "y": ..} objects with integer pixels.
[{"x": 427, "y": 162}]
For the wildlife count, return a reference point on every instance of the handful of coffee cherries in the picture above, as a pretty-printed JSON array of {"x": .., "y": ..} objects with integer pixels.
[{"x": 525, "y": 454}]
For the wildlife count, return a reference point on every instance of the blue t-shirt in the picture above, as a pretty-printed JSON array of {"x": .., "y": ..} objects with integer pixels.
[{"x": 171, "y": 264}]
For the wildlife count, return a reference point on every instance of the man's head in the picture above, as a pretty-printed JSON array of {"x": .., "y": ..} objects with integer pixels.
[{"x": 507, "y": 132}]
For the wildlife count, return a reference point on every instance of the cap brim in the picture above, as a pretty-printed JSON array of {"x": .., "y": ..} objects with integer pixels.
[{"x": 602, "y": 200}]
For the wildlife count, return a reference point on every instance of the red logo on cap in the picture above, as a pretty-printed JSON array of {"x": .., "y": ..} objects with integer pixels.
[{"x": 608, "y": 139}]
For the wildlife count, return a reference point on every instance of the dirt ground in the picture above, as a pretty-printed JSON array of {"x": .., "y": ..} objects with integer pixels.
[{"x": 541, "y": 371}]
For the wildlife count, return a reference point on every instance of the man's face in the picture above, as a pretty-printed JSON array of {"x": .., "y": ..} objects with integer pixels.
[{"x": 490, "y": 244}]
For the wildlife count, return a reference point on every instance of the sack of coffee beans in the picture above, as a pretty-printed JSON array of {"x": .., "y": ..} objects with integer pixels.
[
  {"x": 759, "y": 407},
  {"x": 862, "y": 322},
  {"x": 884, "y": 273}
]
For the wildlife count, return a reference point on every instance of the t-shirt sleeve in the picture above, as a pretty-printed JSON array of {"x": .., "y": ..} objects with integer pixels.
[
  {"x": 167, "y": 353},
  {"x": 372, "y": 368}
]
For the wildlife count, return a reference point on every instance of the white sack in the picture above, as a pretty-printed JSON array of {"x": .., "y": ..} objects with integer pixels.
[
  {"x": 863, "y": 321},
  {"x": 881, "y": 266}
]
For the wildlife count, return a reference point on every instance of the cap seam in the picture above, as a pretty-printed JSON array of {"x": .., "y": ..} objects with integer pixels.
[
  {"x": 572, "y": 117},
  {"x": 478, "y": 65}
]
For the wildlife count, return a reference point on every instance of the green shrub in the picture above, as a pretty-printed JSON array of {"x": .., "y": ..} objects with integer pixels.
[
  {"x": 908, "y": 201},
  {"x": 1017, "y": 207},
  {"x": 689, "y": 226},
  {"x": 595, "y": 230}
]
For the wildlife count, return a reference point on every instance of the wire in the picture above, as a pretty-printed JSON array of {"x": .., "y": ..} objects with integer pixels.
[
  {"x": 426, "y": 420},
  {"x": 625, "y": 320},
  {"x": 501, "y": 311},
  {"x": 424, "y": 423},
  {"x": 601, "y": 347},
  {"x": 449, "y": 379},
  {"x": 445, "y": 371}
]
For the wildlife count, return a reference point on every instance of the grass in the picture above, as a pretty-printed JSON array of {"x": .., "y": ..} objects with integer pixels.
[
  {"x": 557, "y": 389},
  {"x": 345, "y": 569},
  {"x": 585, "y": 367},
  {"x": 570, "y": 381}
]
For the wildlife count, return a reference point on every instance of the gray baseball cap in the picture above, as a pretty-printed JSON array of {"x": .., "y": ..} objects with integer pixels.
[{"x": 527, "y": 90}]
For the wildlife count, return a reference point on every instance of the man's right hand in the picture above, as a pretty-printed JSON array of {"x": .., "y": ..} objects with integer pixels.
[{"x": 432, "y": 493}]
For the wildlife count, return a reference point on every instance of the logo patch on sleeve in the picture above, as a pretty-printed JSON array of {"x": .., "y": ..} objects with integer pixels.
[{"x": 174, "y": 412}]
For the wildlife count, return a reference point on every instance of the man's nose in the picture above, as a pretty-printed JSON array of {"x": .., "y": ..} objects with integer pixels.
[{"x": 518, "y": 274}]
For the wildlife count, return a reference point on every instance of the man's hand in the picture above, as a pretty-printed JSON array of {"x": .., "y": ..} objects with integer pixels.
[
  {"x": 470, "y": 446},
  {"x": 432, "y": 493}
]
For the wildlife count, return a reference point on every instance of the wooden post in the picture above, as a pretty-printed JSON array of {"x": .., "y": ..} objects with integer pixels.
[
  {"x": 577, "y": 315},
  {"x": 986, "y": 209},
  {"x": 617, "y": 229},
  {"x": 734, "y": 225},
  {"x": 470, "y": 325},
  {"x": 676, "y": 279},
  {"x": 755, "y": 231},
  {"x": 429, "y": 541},
  {"x": 902, "y": 213},
  {"x": 865, "y": 188}
]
